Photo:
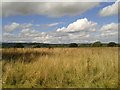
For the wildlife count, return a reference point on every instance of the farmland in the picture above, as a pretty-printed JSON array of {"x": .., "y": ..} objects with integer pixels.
[{"x": 89, "y": 67}]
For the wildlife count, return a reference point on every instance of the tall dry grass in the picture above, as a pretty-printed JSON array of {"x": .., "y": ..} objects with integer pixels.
[{"x": 60, "y": 67}]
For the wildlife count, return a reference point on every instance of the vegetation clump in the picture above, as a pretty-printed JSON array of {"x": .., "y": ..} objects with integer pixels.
[
  {"x": 112, "y": 44},
  {"x": 97, "y": 44},
  {"x": 18, "y": 45},
  {"x": 73, "y": 45}
]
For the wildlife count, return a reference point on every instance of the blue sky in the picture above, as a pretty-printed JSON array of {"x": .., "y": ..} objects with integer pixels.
[{"x": 44, "y": 24}]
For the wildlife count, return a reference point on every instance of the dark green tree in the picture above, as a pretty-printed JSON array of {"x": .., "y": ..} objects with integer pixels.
[
  {"x": 82, "y": 45},
  {"x": 18, "y": 45},
  {"x": 111, "y": 44},
  {"x": 104, "y": 44},
  {"x": 73, "y": 45},
  {"x": 118, "y": 45},
  {"x": 36, "y": 46},
  {"x": 97, "y": 44}
]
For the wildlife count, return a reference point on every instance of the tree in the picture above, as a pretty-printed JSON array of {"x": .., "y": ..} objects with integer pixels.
[
  {"x": 111, "y": 44},
  {"x": 104, "y": 45},
  {"x": 118, "y": 45},
  {"x": 18, "y": 45},
  {"x": 82, "y": 45},
  {"x": 73, "y": 45},
  {"x": 36, "y": 46},
  {"x": 97, "y": 44}
]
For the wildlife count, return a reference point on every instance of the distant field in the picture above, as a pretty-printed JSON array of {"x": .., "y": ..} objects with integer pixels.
[{"x": 60, "y": 67}]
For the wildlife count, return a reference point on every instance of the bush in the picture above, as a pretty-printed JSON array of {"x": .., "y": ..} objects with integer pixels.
[
  {"x": 18, "y": 45},
  {"x": 36, "y": 46},
  {"x": 97, "y": 44},
  {"x": 73, "y": 45},
  {"x": 82, "y": 45},
  {"x": 111, "y": 44},
  {"x": 104, "y": 45}
]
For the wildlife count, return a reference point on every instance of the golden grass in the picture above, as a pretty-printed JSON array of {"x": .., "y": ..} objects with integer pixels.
[{"x": 60, "y": 67}]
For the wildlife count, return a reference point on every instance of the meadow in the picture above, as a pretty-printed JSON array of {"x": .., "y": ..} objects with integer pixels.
[{"x": 92, "y": 67}]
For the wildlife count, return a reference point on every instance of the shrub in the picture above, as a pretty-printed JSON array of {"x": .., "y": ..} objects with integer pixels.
[
  {"x": 36, "y": 46},
  {"x": 18, "y": 45},
  {"x": 73, "y": 45},
  {"x": 97, "y": 44},
  {"x": 111, "y": 44}
]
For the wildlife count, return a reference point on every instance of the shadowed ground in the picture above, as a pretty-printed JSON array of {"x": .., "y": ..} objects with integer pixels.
[{"x": 26, "y": 56}]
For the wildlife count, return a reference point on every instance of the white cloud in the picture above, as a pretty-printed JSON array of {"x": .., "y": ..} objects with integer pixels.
[
  {"x": 110, "y": 27},
  {"x": 14, "y": 26},
  {"x": 50, "y": 9},
  {"x": 29, "y": 35},
  {"x": 27, "y": 25},
  {"x": 11, "y": 27},
  {"x": 109, "y": 30},
  {"x": 109, "y": 10},
  {"x": 58, "y": 1},
  {"x": 105, "y": 33},
  {"x": 7, "y": 34},
  {"x": 79, "y": 25},
  {"x": 53, "y": 24},
  {"x": 48, "y": 25}
]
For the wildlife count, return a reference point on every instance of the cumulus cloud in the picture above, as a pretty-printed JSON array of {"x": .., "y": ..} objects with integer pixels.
[
  {"x": 79, "y": 25},
  {"x": 27, "y": 25},
  {"x": 105, "y": 33},
  {"x": 30, "y": 35},
  {"x": 110, "y": 27},
  {"x": 46, "y": 8},
  {"x": 109, "y": 10},
  {"x": 14, "y": 26},
  {"x": 11, "y": 27},
  {"x": 109, "y": 30},
  {"x": 7, "y": 34}
]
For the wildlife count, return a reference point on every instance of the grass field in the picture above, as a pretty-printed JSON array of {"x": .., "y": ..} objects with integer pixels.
[{"x": 60, "y": 67}]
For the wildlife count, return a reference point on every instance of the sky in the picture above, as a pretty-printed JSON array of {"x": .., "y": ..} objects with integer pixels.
[{"x": 60, "y": 22}]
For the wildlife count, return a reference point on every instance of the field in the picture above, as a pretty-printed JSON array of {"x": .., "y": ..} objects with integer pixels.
[{"x": 60, "y": 67}]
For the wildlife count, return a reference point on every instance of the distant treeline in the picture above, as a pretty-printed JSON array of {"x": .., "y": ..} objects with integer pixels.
[{"x": 42, "y": 45}]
